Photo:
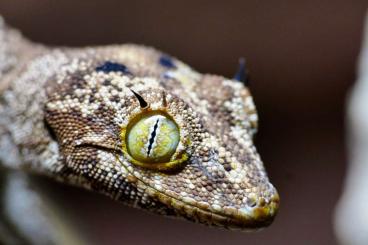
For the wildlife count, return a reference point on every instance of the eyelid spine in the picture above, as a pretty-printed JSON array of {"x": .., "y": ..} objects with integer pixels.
[
  {"x": 164, "y": 100},
  {"x": 143, "y": 104}
]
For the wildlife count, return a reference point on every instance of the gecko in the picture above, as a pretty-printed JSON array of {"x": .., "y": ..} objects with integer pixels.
[{"x": 137, "y": 125}]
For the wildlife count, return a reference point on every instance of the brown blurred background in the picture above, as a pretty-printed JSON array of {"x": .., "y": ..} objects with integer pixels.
[{"x": 302, "y": 57}]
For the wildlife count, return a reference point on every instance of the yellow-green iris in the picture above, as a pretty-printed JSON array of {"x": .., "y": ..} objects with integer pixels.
[{"x": 153, "y": 139}]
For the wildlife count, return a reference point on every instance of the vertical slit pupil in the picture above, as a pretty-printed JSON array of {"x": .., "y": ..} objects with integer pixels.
[{"x": 152, "y": 138}]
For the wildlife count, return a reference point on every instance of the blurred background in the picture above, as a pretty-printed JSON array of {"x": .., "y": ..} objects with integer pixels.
[{"x": 302, "y": 59}]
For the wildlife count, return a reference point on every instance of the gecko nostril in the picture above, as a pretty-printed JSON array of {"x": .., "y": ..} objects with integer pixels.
[{"x": 252, "y": 201}]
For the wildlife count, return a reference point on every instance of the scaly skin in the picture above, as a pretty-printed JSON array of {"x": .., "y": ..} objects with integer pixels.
[{"x": 65, "y": 111}]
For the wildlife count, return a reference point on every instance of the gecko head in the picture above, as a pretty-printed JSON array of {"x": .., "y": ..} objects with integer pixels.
[
  {"x": 198, "y": 158},
  {"x": 179, "y": 144}
]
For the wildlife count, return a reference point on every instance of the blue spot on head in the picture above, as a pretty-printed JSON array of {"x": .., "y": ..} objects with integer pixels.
[
  {"x": 167, "y": 62},
  {"x": 109, "y": 66}
]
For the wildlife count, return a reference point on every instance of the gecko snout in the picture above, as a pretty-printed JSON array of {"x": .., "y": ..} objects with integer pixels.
[{"x": 260, "y": 212}]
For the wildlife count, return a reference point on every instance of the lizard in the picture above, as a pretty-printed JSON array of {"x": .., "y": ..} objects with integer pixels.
[{"x": 137, "y": 125}]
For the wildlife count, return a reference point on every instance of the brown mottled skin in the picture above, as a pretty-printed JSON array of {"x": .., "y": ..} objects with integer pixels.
[{"x": 63, "y": 110}]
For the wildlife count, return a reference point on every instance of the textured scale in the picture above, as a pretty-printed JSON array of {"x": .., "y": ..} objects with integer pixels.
[{"x": 65, "y": 113}]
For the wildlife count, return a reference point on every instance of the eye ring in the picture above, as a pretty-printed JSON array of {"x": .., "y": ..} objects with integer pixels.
[{"x": 151, "y": 140}]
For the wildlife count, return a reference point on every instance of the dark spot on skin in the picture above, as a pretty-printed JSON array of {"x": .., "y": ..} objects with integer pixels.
[
  {"x": 109, "y": 66},
  {"x": 92, "y": 100},
  {"x": 167, "y": 62},
  {"x": 106, "y": 83},
  {"x": 76, "y": 114},
  {"x": 79, "y": 85},
  {"x": 227, "y": 167},
  {"x": 115, "y": 98}
]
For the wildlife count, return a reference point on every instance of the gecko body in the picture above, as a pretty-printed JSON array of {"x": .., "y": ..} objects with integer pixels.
[{"x": 137, "y": 125}]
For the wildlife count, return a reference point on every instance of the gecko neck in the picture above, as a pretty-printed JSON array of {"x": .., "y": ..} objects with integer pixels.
[{"x": 15, "y": 51}]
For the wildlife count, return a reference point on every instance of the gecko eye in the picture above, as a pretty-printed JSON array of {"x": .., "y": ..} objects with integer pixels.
[{"x": 152, "y": 141}]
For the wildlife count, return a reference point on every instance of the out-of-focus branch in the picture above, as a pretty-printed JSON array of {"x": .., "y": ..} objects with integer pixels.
[{"x": 351, "y": 217}]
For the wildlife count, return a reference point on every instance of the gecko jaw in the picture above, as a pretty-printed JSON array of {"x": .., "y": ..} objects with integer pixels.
[
  {"x": 246, "y": 218},
  {"x": 258, "y": 214}
]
